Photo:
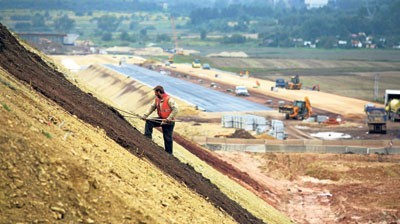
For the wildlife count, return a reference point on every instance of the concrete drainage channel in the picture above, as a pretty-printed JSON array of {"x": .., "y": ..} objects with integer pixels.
[{"x": 300, "y": 146}]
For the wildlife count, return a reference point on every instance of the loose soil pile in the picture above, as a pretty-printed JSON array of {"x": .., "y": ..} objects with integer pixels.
[
  {"x": 31, "y": 69},
  {"x": 241, "y": 133}
]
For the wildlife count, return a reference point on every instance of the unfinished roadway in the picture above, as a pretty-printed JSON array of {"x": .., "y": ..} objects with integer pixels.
[
  {"x": 204, "y": 98},
  {"x": 344, "y": 106}
]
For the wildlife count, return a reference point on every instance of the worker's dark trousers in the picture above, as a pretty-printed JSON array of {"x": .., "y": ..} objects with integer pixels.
[{"x": 167, "y": 130}]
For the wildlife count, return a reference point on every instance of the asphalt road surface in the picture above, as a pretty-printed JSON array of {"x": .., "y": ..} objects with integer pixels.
[{"x": 204, "y": 98}]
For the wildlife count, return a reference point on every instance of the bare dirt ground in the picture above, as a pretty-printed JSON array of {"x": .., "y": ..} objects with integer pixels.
[
  {"x": 315, "y": 188},
  {"x": 298, "y": 183},
  {"x": 353, "y": 124},
  {"x": 56, "y": 168},
  {"x": 345, "y": 106},
  {"x": 301, "y": 183},
  {"x": 31, "y": 69}
]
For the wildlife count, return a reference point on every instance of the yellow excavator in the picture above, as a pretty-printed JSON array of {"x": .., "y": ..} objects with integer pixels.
[
  {"x": 171, "y": 59},
  {"x": 299, "y": 110},
  {"x": 294, "y": 83}
]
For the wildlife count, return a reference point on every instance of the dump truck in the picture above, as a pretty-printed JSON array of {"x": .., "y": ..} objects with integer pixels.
[
  {"x": 376, "y": 119},
  {"x": 299, "y": 110},
  {"x": 294, "y": 83},
  {"x": 392, "y": 104}
]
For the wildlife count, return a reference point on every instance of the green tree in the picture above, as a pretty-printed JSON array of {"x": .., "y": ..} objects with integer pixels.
[
  {"x": 327, "y": 42},
  {"x": 143, "y": 32},
  {"x": 21, "y": 26},
  {"x": 108, "y": 23},
  {"x": 38, "y": 20},
  {"x": 64, "y": 23},
  {"x": 133, "y": 25},
  {"x": 234, "y": 39},
  {"x": 163, "y": 38},
  {"x": 47, "y": 14},
  {"x": 106, "y": 36},
  {"x": 203, "y": 34},
  {"x": 124, "y": 36}
]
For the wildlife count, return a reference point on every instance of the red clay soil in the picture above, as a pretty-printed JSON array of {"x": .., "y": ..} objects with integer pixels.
[
  {"x": 225, "y": 168},
  {"x": 31, "y": 69}
]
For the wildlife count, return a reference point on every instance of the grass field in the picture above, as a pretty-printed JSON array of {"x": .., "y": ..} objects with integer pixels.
[
  {"x": 255, "y": 51},
  {"x": 352, "y": 78}
]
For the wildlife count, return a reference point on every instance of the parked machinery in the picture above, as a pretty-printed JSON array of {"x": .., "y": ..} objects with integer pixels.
[
  {"x": 299, "y": 110},
  {"x": 294, "y": 83},
  {"x": 393, "y": 109},
  {"x": 392, "y": 104},
  {"x": 280, "y": 82},
  {"x": 376, "y": 119}
]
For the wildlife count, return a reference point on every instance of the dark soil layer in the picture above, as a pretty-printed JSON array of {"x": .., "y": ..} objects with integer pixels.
[{"x": 31, "y": 69}]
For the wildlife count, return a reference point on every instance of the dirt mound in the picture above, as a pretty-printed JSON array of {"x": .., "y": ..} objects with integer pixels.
[
  {"x": 31, "y": 69},
  {"x": 355, "y": 188},
  {"x": 241, "y": 133}
]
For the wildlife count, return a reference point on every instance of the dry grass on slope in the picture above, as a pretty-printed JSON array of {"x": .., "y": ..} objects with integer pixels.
[{"x": 55, "y": 167}]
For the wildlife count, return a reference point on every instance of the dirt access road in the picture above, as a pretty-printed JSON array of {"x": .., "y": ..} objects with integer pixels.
[
  {"x": 344, "y": 106},
  {"x": 352, "y": 123}
]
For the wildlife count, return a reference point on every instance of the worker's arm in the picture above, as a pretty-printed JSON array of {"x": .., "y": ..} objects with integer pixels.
[
  {"x": 150, "y": 110},
  {"x": 174, "y": 107}
]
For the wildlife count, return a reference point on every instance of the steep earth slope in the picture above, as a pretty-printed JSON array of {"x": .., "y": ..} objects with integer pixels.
[
  {"x": 56, "y": 168},
  {"x": 30, "y": 68}
]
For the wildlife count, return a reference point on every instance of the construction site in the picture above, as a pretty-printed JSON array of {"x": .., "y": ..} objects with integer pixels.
[{"x": 73, "y": 150}]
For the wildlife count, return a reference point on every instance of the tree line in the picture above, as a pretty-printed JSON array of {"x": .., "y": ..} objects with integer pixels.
[
  {"x": 82, "y": 6},
  {"x": 279, "y": 26},
  {"x": 276, "y": 25}
]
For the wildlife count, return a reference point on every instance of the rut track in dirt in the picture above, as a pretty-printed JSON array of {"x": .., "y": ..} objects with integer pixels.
[{"x": 31, "y": 69}]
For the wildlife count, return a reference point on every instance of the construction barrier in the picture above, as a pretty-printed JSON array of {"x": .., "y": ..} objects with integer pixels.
[{"x": 301, "y": 146}]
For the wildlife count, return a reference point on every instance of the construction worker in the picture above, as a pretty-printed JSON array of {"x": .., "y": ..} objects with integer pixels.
[{"x": 166, "y": 110}]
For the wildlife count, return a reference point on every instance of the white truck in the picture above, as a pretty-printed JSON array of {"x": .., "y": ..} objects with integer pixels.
[
  {"x": 392, "y": 104},
  {"x": 241, "y": 91}
]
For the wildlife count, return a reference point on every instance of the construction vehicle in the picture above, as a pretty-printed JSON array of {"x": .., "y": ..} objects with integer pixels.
[
  {"x": 392, "y": 104},
  {"x": 376, "y": 119},
  {"x": 171, "y": 59},
  {"x": 294, "y": 83},
  {"x": 393, "y": 109},
  {"x": 299, "y": 110},
  {"x": 196, "y": 63},
  {"x": 280, "y": 82}
]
